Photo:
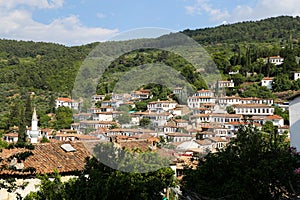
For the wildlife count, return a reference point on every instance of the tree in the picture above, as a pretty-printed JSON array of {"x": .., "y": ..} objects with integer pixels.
[
  {"x": 15, "y": 113},
  {"x": 238, "y": 79},
  {"x": 230, "y": 110},
  {"x": 254, "y": 165},
  {"x": 48, "y": 189},
  {"x": 268, "y": 127},
  {"x": 140, "y": 106},
  {"x": 282, "y": 113},
  {"x": 255, "y": 90},
  {"x": 145, "y": 122},
  {"x": 44, "y": 121},
  {"x": 281, "y": 83},
  {"x": 63, "y": 118},
  {"x": 28, "y": 111},
  {"x": 45, "y": 140},
  {"x": 22, "y": 129},
  {"x": 124, "y": 117}
]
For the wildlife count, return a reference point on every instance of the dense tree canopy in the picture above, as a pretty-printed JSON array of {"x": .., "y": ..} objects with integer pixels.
[{"x": 255, "y": 165}]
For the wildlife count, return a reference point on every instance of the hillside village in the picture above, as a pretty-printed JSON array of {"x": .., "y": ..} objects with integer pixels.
[{"x": 205, "y": 123}]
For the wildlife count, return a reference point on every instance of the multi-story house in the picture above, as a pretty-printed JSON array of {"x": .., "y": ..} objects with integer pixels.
[
  {"x": 199, "y": 101},
  {"x": 67, "y": 102},
  {"x": 253, "y": 109},
  {"x": 161, "y": 106},
  {"x": 141, "y": 94}
]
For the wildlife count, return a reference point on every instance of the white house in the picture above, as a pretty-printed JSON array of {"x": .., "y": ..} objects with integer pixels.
[
  {"x": 66, "y": 102},
  {"x": 296, "y": 75},
  {"x": 120, "y": 97},
  {"x": 141, "y": 94},
  {"x": 226, "y": 84},
  {"x": 178, "y": 137},
  {"x": 10, "y": 137},
  {"x": 223, "y": 118},
  {"x": 275, "y": 119},
  {"x": 226, "y": 101},
  {"x": 267, "y": 81},
  {"x": 158, "y": 119},
  {"x": 295, "y": 120},
  {"x": 93, "y": 125},
  {"x": 104, "y": 113},
  {"x": 216, "y": 117},
  {"x": 204, "y": 93},
  {"x": 103, "y": 116},
  {"x": 161, "y": 106},
  {"x": 82, "y": 116},
  {"x": 276, "y": 60},
  {"x": 254, "y": 100},
  {"x": 170, "y": 127},
  {"x": 218, "y": 142},
  {"x": 98, "y": 97},
  {"x": 198, "y": 101},
  {"x": 129, "y": 132},
  {"x": 253, "y": 109},
  {"x": 177, "y": 90}
]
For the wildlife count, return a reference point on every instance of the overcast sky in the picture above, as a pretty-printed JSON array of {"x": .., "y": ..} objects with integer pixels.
[{"x": 79, "y": 22}]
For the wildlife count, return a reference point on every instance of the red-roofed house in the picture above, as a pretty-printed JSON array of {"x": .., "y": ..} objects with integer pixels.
[
  {"x": 253, "y": 109},
  {"x": 66, "y": 102},
  {"x": 276, "y": 60},
  {"x": 267, "y": 81},
  {"x": 277, "y": 120}
]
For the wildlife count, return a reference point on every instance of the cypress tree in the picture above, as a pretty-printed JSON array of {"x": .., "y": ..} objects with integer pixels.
[
  {"x": 22, "y": 128},
  {"x": 28, "y": 111}
]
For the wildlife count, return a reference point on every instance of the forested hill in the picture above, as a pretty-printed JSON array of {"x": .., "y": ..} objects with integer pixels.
[
  {"x": 276, "y": 29},
  {"x": 40, "y": 65}
]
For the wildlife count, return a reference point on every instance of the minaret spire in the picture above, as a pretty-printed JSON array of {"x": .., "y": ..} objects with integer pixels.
[
  {"x": 34, "y": 132},
  {"x": 34, "y": 116}
]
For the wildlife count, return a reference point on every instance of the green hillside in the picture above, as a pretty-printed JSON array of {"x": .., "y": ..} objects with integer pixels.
[{"x": 276, "y": 29}]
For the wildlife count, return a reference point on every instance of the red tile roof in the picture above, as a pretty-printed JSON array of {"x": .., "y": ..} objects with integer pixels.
[
  {"x": 274, "y": 117},
  {"x": 251, "y": 106},
  {"x": 65, "y": 99},
  {"x": 48, "y": 157},
  {"x": 268, "y": 78}
]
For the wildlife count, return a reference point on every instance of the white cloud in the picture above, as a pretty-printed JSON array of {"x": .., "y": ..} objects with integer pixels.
[
  {"x": 262, "y": 9},
  {"x": 191, "y": 10},
  {"x": 18, "y": 24},
  {"x": 265, "y": 9},
  {"x": 45, "y": 4},
  {"x": 100, "y": 15},
  {"x": 203, "y": 6}
]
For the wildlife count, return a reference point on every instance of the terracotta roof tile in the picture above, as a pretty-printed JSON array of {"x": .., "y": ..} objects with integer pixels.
[
  {"x": 274, "y": 117},
  {"x": 65, "y": 99},
  {"x": 47, "y": 157}
]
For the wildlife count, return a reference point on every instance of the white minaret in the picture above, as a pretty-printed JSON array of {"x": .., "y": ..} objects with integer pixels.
[{"x": 34, "y": 132}]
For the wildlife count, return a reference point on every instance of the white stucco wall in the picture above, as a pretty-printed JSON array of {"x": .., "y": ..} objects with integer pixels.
[
  {"x": 32, "y": 183},
  {"x": 295, "y": 122}
]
